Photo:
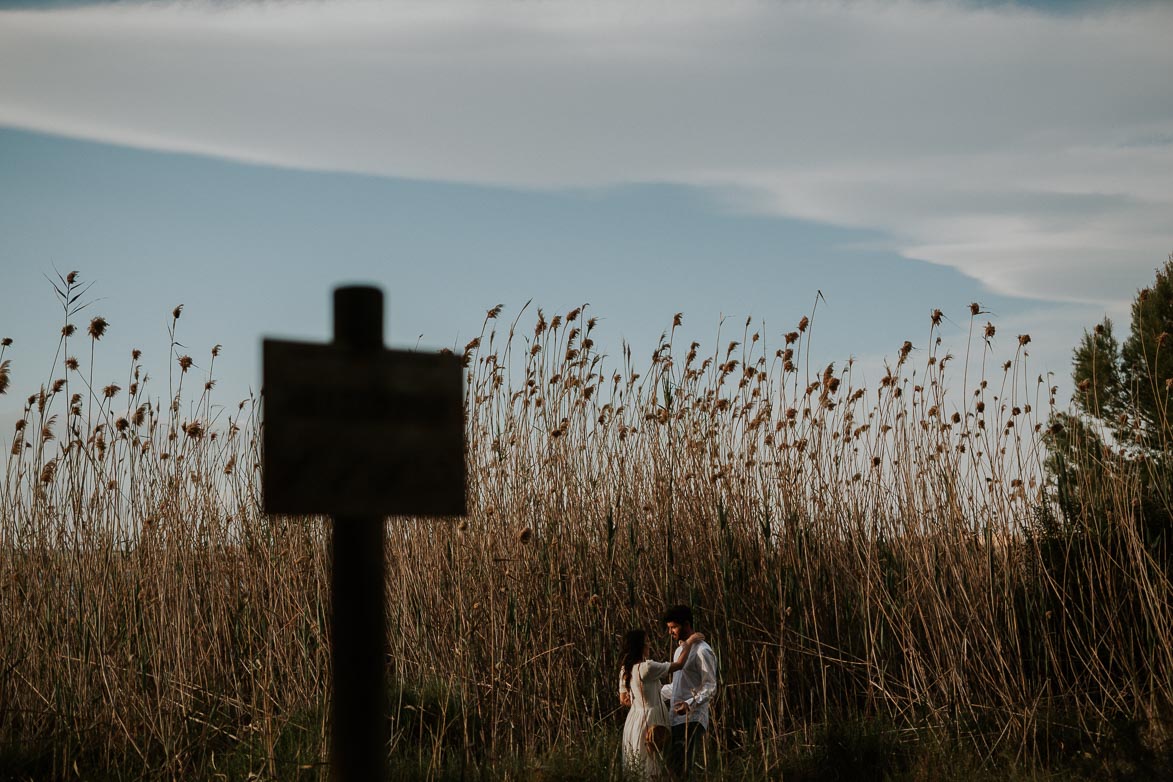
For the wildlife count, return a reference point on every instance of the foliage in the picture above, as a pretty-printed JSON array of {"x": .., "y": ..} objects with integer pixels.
[{"x": 1123, "y": 393}]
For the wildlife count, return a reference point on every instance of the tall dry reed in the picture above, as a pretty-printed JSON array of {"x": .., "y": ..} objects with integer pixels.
[{"x": 889, "y": 553}]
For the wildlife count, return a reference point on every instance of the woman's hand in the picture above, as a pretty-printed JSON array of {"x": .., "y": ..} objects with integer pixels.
[{"x": 685, "y": 652}]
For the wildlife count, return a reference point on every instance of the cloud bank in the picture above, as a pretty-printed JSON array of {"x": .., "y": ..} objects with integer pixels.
[{"x": 1033, "y": 152}]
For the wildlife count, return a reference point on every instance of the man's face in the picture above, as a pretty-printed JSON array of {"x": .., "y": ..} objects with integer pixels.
[{"x": 676, "y": 630}]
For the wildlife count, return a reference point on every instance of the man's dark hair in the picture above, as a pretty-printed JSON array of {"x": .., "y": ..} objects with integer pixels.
[{"x": 680, "y": 614}]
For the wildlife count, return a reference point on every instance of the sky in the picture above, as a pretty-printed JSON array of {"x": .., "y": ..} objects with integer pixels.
[{"x": 727, "y": 160}]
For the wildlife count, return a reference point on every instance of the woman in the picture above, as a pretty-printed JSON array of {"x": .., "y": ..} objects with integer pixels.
[{"x": 640, "y": 680}]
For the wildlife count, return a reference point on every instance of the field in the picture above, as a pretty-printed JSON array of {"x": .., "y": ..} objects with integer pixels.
[{"x": 892, "y": 588}]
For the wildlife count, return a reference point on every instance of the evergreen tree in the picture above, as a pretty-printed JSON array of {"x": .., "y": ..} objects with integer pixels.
[{"x": 1123, "y": 397}]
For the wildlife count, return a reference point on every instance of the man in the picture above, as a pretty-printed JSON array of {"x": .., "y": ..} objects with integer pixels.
[{"x": 689, "y": 694}]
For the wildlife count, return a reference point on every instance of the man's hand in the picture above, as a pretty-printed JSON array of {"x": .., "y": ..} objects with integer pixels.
[
  {"x": 681, "y": 708},
  {"x": 625, "y": 698}
]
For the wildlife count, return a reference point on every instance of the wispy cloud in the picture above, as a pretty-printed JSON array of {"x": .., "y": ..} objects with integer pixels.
[{"x": 1031, "y": 151}]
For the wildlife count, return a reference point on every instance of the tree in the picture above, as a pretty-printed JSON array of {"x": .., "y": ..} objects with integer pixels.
[{"x": 1122, "y": 436}]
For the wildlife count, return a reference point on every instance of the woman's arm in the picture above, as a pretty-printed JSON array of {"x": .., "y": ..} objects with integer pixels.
[
  {"x": 624, "y": 693},
  {"x": 682, "y": 656}
]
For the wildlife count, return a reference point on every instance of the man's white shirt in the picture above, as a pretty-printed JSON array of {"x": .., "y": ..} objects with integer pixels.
[{"x": 694, "y": 684}]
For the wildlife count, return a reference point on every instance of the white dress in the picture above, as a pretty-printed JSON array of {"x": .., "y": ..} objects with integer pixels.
[{"x": 636, "y": 758}]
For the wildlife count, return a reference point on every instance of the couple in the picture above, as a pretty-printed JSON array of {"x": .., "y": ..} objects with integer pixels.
[{"x": 683, "y": 704}]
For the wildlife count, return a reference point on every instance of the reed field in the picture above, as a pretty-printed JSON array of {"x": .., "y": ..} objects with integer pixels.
[{"x": 890, "y": 583}]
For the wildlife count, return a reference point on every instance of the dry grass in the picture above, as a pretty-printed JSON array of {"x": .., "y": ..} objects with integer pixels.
[{"x": 854, "y": 554}]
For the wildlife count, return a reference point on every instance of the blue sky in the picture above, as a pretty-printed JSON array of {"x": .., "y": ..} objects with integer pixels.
[{"x": 716, "y": 159}]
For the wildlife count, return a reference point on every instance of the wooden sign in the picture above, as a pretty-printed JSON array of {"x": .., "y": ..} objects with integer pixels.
[{"x": 360, "y": 432}]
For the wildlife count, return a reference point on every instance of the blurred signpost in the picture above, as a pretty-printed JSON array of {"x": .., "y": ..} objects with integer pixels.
[{"x": 358, "y": 432}]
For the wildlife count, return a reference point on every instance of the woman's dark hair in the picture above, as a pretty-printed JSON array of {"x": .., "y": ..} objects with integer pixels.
[{"x": 633, "y": 652}]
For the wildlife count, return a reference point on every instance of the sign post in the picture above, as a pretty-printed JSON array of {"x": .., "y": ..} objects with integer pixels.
[{"x": 360, "y": 432}]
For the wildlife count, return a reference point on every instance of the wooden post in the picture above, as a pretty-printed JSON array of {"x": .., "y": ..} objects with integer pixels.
[
  {"x": 358, "y": 590},
  {"x": 358, "y": 432}
]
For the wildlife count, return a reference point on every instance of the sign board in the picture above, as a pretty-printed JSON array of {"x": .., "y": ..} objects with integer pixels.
[{"x": 362, "y": 432}]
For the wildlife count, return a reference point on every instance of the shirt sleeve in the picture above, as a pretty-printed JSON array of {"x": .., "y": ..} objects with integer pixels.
[
  {"x": 708, "y": 687},
  {"x": 666, "y": 690}
]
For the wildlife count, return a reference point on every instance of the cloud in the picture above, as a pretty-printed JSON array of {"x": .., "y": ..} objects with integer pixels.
[{"x": 1030, "y": 151}]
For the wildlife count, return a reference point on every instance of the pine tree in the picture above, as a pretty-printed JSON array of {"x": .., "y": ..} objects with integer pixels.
[{"x": 1123, "y": 398}]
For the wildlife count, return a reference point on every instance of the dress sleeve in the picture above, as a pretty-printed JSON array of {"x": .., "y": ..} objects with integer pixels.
[{"x": 655, "y": 669}]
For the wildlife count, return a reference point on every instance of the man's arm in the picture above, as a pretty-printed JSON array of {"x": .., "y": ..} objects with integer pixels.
[
  {"x": 666, "y": 690},
  {"x": 707, "y": 661}
]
